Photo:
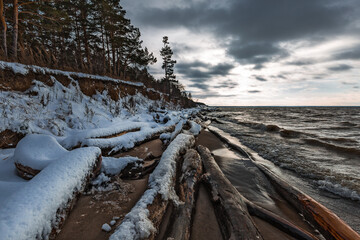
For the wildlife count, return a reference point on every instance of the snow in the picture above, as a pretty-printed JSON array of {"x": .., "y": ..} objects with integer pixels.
[
  {"x": 177, "y": 130},
  {"x": 112, "y": 222},
  {"x": 106, "y": 227},
  {"x": 78, "y": 137},
  {"x": 194, "y": 128},
  {"x": 102, "y": 178},
  {"x": 24, "y": 70},
  {"x": 15, "y": 67},
  {"x": 125, "y": 141},
  {"x": 113, "y": 166},
  {"x": 31, "y": 212},
  {"x": 37, "y": 151},
  {"x": 136, "y": 224}
]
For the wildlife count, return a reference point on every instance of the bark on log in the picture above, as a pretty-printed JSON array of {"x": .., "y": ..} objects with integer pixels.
[
  {"x": 279, "y": 222},
  {"x": 191, "y": 174},
  {"x": 230, "y": 208}
]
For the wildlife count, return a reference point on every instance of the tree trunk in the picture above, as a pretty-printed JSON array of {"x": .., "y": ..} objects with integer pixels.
[
  {"x": 191, "y": 173},
  {"x": 81, "y": 63},
  {"x": 16, "y": 28},
  {"x": 4, "y": 28},
  {"x": 86, "y": 40}
]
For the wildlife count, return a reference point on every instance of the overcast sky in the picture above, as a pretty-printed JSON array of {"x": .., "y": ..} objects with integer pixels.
[{"x": 257, "y": 52}]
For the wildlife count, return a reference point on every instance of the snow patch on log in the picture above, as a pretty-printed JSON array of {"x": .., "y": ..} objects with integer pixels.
[
  {"x": 113, "y": 166},
  {"x": 126, "y": 141},
  {"x": 32, "y": 211},
  {"x": 37, "y": 151}
]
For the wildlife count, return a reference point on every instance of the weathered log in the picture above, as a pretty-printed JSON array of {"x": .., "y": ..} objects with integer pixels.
[
  {"x": 278, "y": 222},
  {"x": 327, "y": 222},
  {"x": 191, "y": 173},
  {"x": 234, "y": 219}
]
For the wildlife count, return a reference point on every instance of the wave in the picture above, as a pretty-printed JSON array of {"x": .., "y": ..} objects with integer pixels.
[
  {"x": 340, "y": 140},
  {"x": 338, "y": 189},
  {"x": 333, "y": 147},
  {"x": 349, "y": 124}
]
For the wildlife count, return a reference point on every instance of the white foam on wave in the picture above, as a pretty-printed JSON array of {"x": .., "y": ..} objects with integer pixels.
[{"x": 338, "y": 189}]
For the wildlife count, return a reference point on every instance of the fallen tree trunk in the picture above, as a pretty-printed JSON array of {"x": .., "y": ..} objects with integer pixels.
[
  {"x": 191, "y": 173},
  {"x": 230, "y": 208}
]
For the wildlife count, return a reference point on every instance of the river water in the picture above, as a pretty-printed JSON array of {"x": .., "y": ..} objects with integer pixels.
[{"x": 317, "y": 147}]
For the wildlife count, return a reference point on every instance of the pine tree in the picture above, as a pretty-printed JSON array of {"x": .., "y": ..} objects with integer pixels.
[
  {"x": 169, "y": 80},
  {"x": 168, "y": 64}
]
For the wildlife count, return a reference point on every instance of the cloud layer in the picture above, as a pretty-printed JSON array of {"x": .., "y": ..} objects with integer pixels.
[{"x": 232, "y": 44}]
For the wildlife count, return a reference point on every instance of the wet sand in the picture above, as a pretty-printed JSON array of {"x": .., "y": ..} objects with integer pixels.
[
  {"x": 205, "y": 225},
  {"x": 92, "y": 211}
]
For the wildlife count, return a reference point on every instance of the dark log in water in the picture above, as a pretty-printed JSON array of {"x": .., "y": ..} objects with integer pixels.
[
  {"x": 234, "y": 219},
  {"x": 191, "y": 173},
  {"x": 278, "y": 222}
]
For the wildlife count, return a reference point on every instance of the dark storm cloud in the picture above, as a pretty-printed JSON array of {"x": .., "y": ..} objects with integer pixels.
[
  {"x": 199, "y": 71},
  {"x": 258, "y": 66},
  {"x": 350, "y": 54},
  {"x": 211, "y": 95},
  {"x": 254, "y": 91},
  {"x": 257, "y": 27},
  {"x": 228, "y": 84},
  {"x": 302, "y": 62},
  {"x": 348, "y": 83},
  {"x": 202, "y": 86},
  {"x": 340, "y": 67},
  {"x": 255, "y": 53},
  {"x": 260, "y": 78}
]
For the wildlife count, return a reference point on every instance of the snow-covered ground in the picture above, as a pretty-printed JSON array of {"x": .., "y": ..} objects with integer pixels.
[{"x": 57, "y": 119}]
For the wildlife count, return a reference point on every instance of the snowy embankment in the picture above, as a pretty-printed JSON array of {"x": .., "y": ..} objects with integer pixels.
[
  {"x": 63, "y": 118},
  {"x": 36, "y": 207},
  {"x": 25, "y": 69},
  {"x": 137, "y": 224}
]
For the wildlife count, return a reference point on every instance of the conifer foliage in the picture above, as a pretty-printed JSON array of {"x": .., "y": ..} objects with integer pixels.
[{"x": 81, "y": 35}]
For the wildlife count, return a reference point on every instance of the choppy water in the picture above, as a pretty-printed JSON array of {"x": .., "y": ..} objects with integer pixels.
[{"x": 320, "y": 145}]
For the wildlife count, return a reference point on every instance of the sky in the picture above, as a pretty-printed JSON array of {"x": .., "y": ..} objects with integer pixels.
[{"x": 257, "y": 52}]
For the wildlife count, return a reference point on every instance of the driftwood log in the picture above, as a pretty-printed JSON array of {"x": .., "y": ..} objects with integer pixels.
[
  {"x": 191, "y": 174},
  {"x": 234, "y": 219},
  {"x": 159, "y": 206},
  {"x": 278, "y": 222}
]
